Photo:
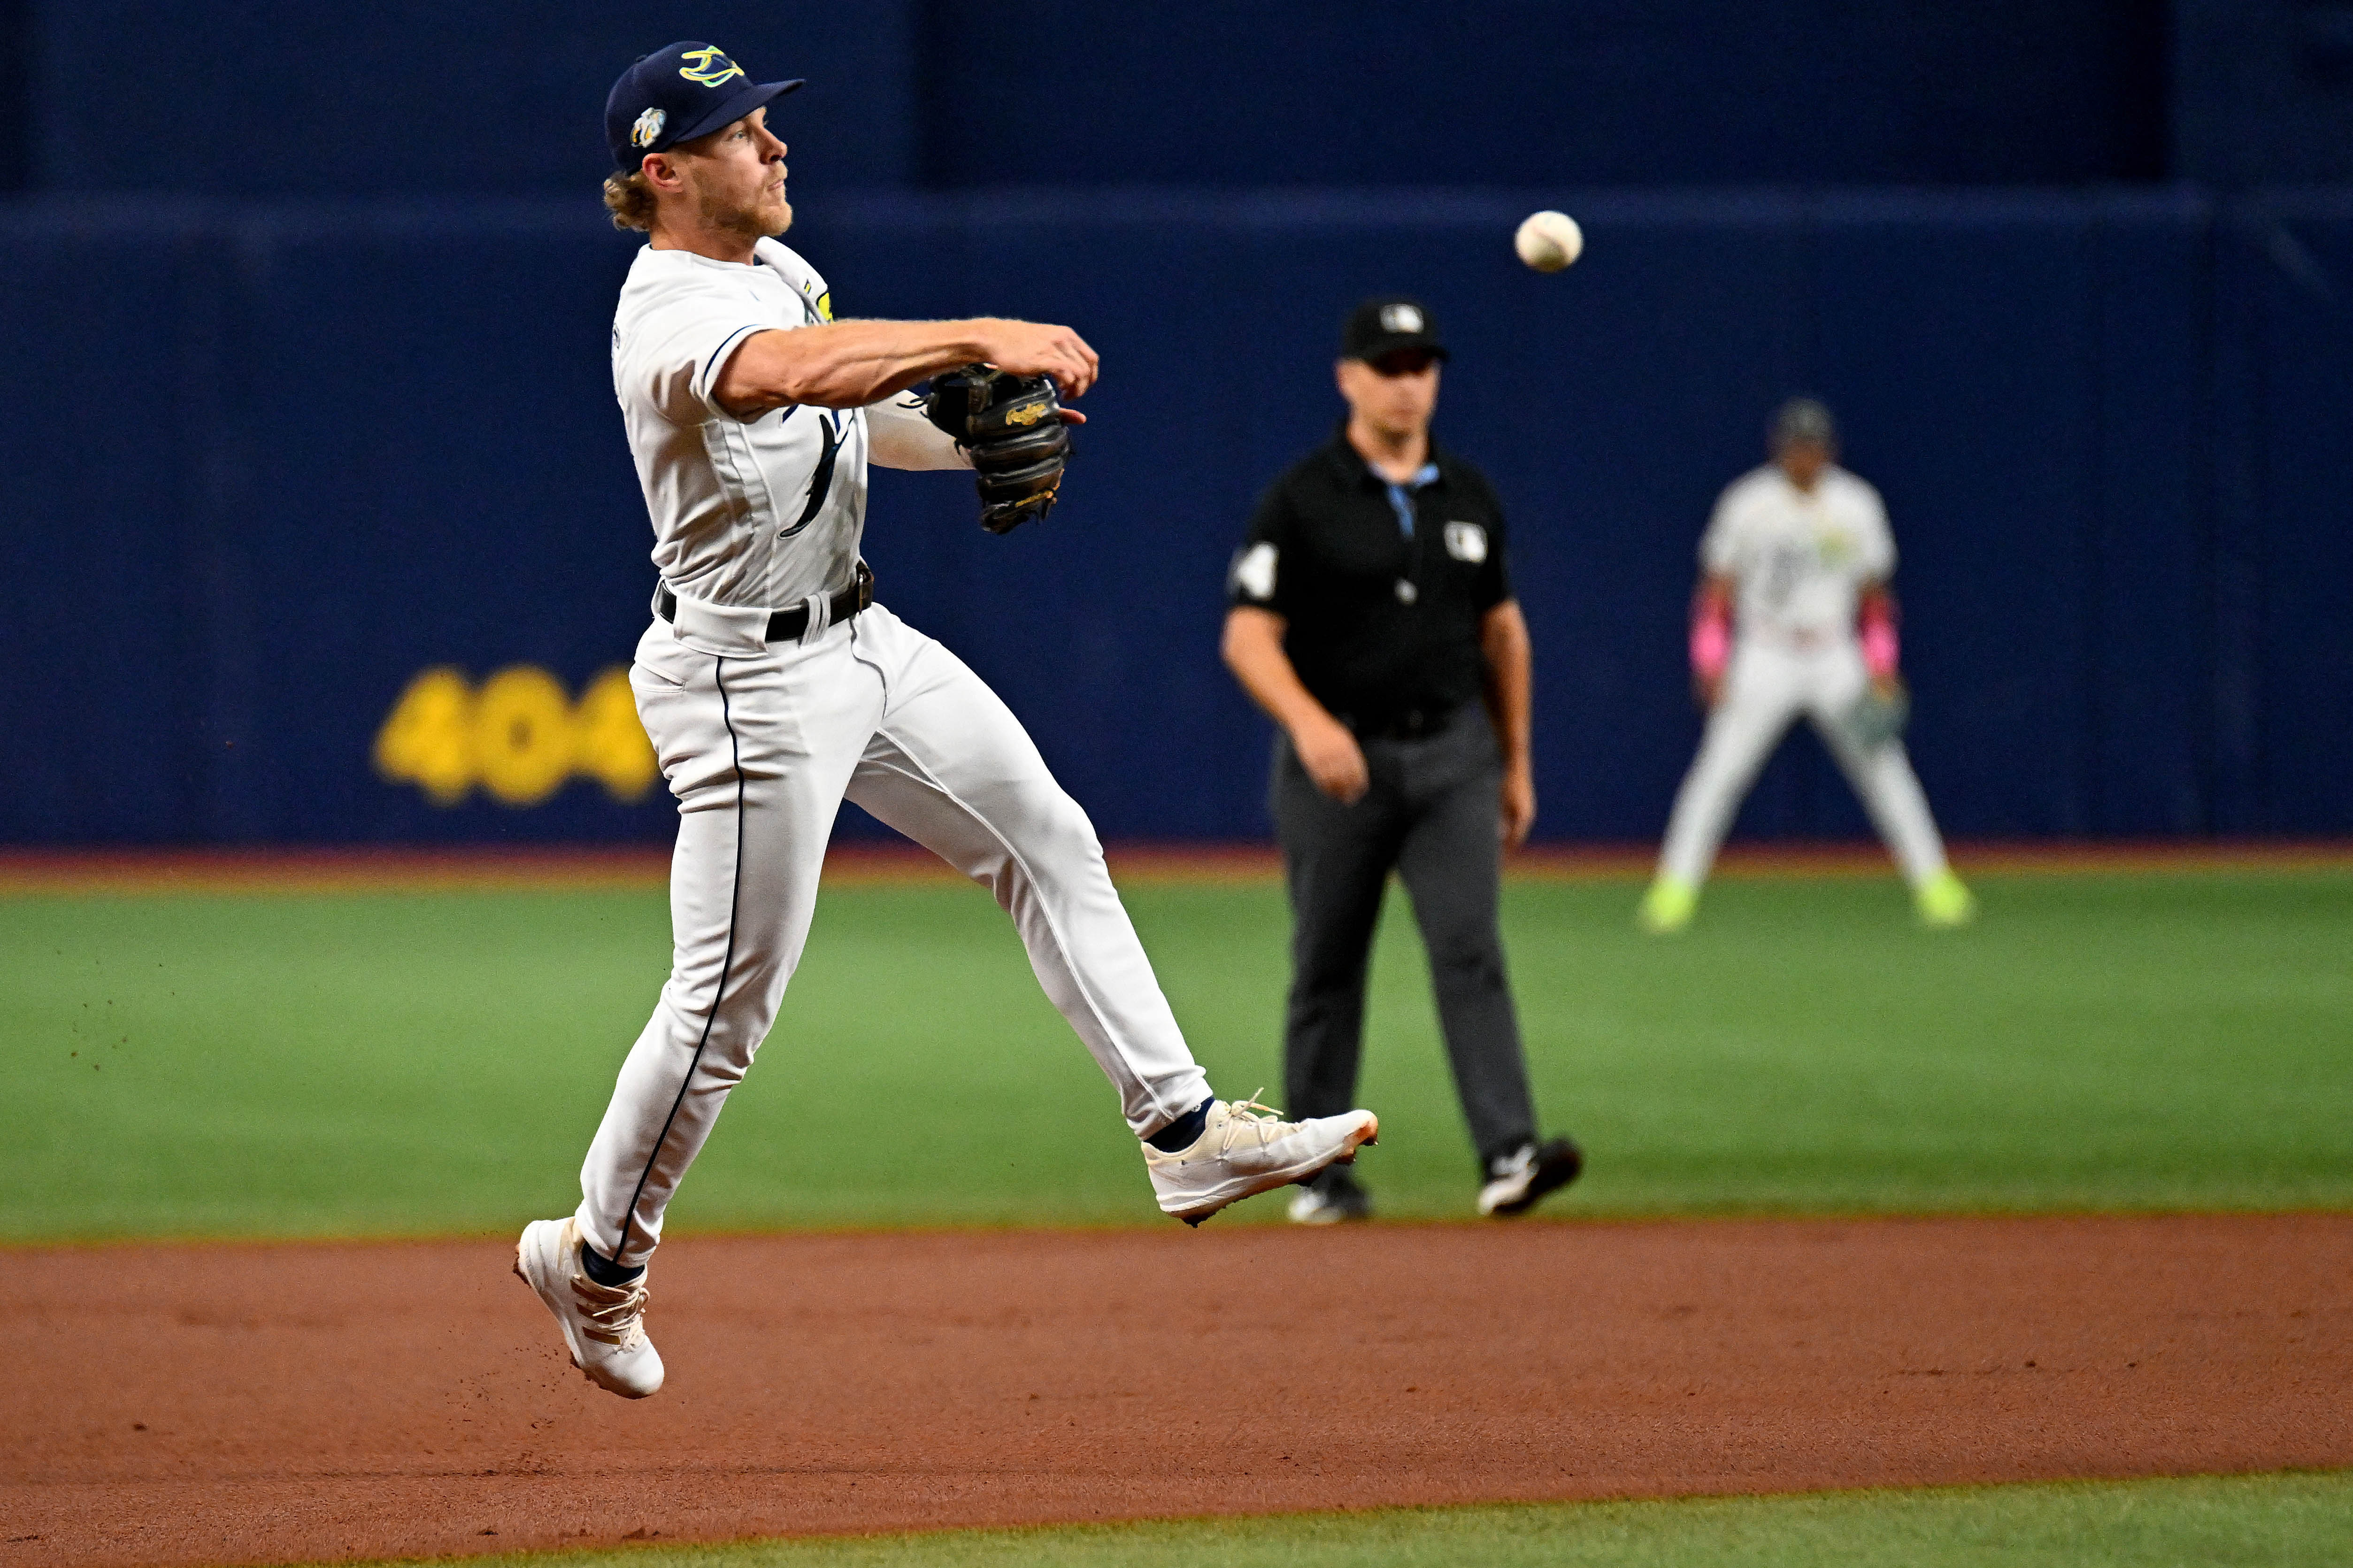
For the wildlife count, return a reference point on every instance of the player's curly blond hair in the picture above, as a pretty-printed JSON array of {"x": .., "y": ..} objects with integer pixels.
[{"x": 630, "y": 199}]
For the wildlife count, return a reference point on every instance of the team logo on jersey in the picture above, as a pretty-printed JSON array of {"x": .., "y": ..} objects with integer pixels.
[
  {"x": 1400, "y": 318},
  {"x": 825, "y": 306},
  {"x": 648, "y": 126},
  {"x": 709, "y": 67},
  {"x": 1466, "y": 542}
]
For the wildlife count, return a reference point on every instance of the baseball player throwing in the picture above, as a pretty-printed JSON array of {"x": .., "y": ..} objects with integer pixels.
[
  {"x": 1793, "y": 617},
  {"x": 772, "y": 688}
]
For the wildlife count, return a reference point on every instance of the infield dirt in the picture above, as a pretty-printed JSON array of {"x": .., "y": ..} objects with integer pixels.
[{"x": 282, "y": 1402}]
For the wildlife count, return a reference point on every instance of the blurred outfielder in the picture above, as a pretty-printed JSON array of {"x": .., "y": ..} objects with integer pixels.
[{"x": 1793, "y": 615}]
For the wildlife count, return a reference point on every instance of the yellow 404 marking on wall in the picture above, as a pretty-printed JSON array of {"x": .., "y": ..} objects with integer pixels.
[{"x": 519, "y": 736}]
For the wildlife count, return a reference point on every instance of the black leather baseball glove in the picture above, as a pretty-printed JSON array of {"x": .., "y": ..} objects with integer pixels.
[{"x": 1012, "y": 426}]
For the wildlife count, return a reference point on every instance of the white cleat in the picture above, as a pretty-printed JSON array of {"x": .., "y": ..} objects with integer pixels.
[
  {"x": 1246, "y": 1148},
  {"x": 604, "y": 1325}
]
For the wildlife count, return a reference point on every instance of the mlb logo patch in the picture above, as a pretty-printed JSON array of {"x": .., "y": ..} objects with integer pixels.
[
  {"x": 1466, "y": 542},
  {"x": 1252, "y": 573}
]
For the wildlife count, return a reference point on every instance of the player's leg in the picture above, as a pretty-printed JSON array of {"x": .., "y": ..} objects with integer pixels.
[
  {"x": 1761, "y": 695},
  {"x": 758, "y": 751},
  {"x": 1883, "y": 779},
  {"x": 1451, "y": 861},
  {"x": 1336, "y": 862},
  {"x": 952, "y": 768}
]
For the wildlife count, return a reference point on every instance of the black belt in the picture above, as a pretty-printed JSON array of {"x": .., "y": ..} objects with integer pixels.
[
  {"x": 787, "y": 625},
  {"x": 1409, "y": 724}
]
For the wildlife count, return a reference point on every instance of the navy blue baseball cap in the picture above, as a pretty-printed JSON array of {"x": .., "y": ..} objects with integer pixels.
[{"x": 677, "y": 94}]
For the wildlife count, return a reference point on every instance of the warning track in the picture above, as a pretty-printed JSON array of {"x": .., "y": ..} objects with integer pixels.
[{"x": 354, "y": 870}]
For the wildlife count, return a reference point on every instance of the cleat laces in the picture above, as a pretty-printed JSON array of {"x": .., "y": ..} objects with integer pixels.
[
  {"x": 1248, "y": 1114},
  {"x": 610, "y": 1314}
]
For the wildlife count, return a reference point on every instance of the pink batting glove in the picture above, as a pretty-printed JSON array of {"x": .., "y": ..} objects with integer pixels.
[
  {"x": 1711, "y": 642},
  {"x": 1880, "y": 647}
]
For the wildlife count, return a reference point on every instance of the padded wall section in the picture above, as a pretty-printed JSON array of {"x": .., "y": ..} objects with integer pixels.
[
  {"x": 437, "y": 476},
  {"x": 114, "y": 338},
  {"x": 2261, "y": 92},
  {"x": 2292, "y": 637},
  {"x": 277, "y": 460},
  {"x": 16, "y": 94},
  {"x": 1501, "y": 92},
  {"x": 408, "y": 96}
]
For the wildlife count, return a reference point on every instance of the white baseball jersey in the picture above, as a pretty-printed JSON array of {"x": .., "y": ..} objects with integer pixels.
[
  {"x": 760, "y": 741},
  {"x": 748, "y": 513},
  {"x": 1801, "y": 559}
]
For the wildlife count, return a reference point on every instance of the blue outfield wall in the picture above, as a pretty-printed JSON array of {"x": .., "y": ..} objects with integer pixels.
[
  {"x": 1227, "y": 93},
  {"x": 269, "y": 462}
]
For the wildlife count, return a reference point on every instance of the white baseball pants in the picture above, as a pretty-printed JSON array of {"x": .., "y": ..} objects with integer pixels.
[
  {"x": 1768, "y": 686},
  {"x": 760, "y": 750}
]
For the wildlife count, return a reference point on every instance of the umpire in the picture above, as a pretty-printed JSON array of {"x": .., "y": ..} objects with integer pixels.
[{"x": 1372, "y": 617}]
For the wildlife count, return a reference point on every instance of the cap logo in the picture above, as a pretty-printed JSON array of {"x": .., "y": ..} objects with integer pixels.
[
  {"x": 709, "y": 67},
  {"x": 1400, "y": 318},
  {"x": 648, "y": 127}
]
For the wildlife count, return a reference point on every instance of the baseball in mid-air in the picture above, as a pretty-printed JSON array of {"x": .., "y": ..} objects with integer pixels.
[{"x": 1548, "y": 241}]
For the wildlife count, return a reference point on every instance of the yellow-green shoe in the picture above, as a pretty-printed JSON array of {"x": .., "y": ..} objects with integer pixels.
[
  {"x": 1668, "y": 906},
  {"x": 1944, "y": 901}
]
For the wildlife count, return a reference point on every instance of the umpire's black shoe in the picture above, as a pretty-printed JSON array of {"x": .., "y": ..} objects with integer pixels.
[
  {"x": 1333, "y": 1196},
  {"x": 1517, "y": 1180}
]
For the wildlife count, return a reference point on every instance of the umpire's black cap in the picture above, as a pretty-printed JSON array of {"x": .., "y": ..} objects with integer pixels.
[
  {"x": 1386, "y": 323},
  {"x": 677, "y": 94}
]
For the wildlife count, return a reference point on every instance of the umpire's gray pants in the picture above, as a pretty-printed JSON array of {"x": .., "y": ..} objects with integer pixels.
[{"x": 1431, "y": 815}]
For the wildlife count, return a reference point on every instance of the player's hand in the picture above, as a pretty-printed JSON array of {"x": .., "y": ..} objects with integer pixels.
[
  {"x": 1333, "y": 759},
  {"x": 1519, "y": 804},
  {"x": 1032, "y": 348}
]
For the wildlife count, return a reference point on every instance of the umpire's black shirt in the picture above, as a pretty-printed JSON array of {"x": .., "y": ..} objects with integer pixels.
[{"x": 1382, "y": 622}]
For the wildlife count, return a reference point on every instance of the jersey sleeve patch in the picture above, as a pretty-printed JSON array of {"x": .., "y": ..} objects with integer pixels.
[{"x": 1252, "y": 576}]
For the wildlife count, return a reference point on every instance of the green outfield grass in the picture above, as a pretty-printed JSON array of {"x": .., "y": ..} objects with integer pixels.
[
  {"x": 305, "y": 1064},
  {"x": 2276, "y": 1521}
]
